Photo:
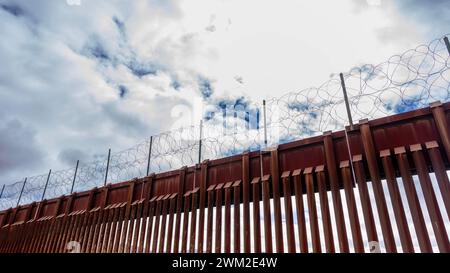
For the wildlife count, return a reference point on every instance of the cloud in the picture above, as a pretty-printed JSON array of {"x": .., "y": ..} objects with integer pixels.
[
  {"x": 70, "y": 156},
  {"x": 20, "y": 149}
]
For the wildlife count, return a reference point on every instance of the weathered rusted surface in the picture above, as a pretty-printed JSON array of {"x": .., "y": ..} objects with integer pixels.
[{"x": 158, "y": 213}]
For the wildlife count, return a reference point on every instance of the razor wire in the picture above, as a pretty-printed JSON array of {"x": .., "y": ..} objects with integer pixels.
[{"x": 404, "y": 82}]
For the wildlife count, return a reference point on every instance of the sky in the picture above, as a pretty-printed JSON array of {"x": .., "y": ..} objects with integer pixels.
[{"x": 78, "y": 77}]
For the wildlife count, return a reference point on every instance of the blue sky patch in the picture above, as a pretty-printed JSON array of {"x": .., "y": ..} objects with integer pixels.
[
  {"x": 123, "y": 91},
  {"x": 205, "y": 87}
]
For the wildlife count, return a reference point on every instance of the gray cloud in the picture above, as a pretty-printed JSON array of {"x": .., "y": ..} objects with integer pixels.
[
  {"x": 19, "y": 148},
  {"x": 70, "y": 156}
]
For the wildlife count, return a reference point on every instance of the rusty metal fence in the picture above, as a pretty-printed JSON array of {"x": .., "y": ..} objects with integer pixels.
[
  {"x": 404, "y": 82},
  {"x": 379, "y": 186}
]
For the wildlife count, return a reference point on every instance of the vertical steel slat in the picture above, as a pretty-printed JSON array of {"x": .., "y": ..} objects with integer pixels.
[
  {"x": 70, "y": 220},
  {"x": 218, "y": 242},
  {"x": 163, "y": 223},
  {"x": 237, "y": 216},
  {"x": 430, "y": 199},
  {"x": 184, "y": 231},
  {"x": 325, "y": 209},
  {"x": 227, "y": 242},
  {"x": 104, "y": 219},
  {"x": 209, "y": 221},
  {"x": 127, "y": 217},
  {"x": 21, "y": 235},
  {"x": 115, "y": 219},
  {"x": 151, "y": 213},
  {"x": 285, "y": 180},
  {"x": 172, "y": 200},
  {"x": 87, "y": 219},
  {"x": 118, "y": 229},
  {"x": 101, "y": 231},
  {"x": 131, "y": 226},
  {"x": 380, "y": 200},
  {"x": 35, "y": 242},
  {"x": 313, "y": 222},
  {"x": 13, "y": 238},
  {"x": 79, "y": 233},
  {"x": 202, "y": 201},
  {"x": 28, "y": 235},
  {"x": 26, "y": 227},
  {"x": 274, "y": 166},
  {"x": 93, "y": 215},
  {"x": 137, "y": 229},
  {"x": 95, "y": 230},
  {"x": 83, "y": 217},
  {"x": 369, "y": 219},
  {"x": 194, "y": 206},
  {"x": 63, "y": 223},
  {"x": 75, "y": 226},
  {"x": 301, "y": 222},
  {"x": 146, "y": 192},
  {"x": 335, "y": 193},
  {"x": 109, "y": 223},
  {"x": 245, "y": 200},
  {"x": 16, "y": 238},
  {"x": 104, "y": 227},
  {"x": 37, "y": 232},
  {"x": 441, "y": 125},
  {"x": 69, "y": 224},
  {"x": 181, "y": 181},
  {"x": 256, "y": 216},
  {"x": 34, "y": 227},
  {"x": 413, "y": 200},
  {"x": 399, "y": 210},
  {"x": 267, "y": 216},
  {"x": 157, "y": 221},
  {"x": 440, "y": 172},
  {"x": 351, "y": 205}
]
